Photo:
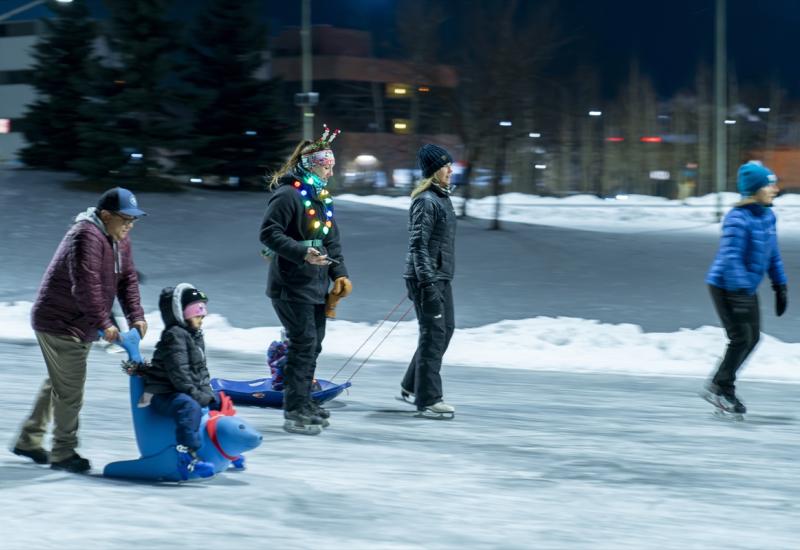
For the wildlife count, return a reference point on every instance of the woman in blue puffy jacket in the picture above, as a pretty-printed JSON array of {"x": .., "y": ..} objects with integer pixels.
[{"x": 748, "y": 249}]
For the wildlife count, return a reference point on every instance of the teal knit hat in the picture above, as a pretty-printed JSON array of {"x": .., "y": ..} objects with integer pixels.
[{"x": 752, "y": 177}]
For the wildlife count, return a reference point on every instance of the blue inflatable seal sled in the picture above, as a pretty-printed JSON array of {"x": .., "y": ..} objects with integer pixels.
[{"x": 224, "y": 436}]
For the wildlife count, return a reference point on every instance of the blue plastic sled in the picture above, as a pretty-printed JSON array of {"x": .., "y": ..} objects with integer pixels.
[
  {"x": 224, "y": 438},
  {"x": 260, "y": 393}
]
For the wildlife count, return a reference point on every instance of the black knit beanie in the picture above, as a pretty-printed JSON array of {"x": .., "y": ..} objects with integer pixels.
[
  {"x": 191, "y": 295},
  {"x": 431, "y": 158}
]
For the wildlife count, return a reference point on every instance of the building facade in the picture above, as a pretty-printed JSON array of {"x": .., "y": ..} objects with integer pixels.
[
  {"x": 16, "y": 59},
  {"x": 386, "y": 108}
]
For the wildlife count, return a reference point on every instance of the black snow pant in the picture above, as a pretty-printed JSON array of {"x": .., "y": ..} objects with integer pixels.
[
  {"x": 305, "y": 329},
  {"x": 741, "y": 319},
  {"x": 423, "y": 376}
]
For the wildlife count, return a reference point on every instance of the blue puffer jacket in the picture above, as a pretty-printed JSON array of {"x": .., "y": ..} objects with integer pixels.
[{"x": 748, "y": 249}]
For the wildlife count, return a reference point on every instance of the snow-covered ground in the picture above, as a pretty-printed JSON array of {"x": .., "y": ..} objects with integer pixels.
[
  {"x": 541, "y": 343},
  {"x": 626, "y": 214},
  {"x": 550, "y": 460}
]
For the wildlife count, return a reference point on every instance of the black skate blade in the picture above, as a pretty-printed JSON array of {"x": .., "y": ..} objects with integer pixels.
[{"x": 729, "y": 416}]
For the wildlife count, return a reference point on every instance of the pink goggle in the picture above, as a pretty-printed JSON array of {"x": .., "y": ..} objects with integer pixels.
[{"x": 197, "y": 309}]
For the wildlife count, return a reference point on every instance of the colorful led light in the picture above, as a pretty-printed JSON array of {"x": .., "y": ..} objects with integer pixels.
[{"x": 307, "y": 193}]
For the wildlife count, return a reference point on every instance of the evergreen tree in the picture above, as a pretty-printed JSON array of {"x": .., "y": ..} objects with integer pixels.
[
  {"x": 237, "y": 128},
  {"x": 132, "y": 126},
  {"x": 60, "y": 74}
]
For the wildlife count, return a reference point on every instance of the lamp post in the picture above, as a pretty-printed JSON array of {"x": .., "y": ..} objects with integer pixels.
[
  {"x": 499, "y": 170},
  {"x": 720, "y": 100},
  {"x": 24, "y": 7},
  {"x": 305, "y": 41}
]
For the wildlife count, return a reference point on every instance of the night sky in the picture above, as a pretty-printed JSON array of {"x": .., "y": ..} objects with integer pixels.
[{"x": 668, "y": 37}]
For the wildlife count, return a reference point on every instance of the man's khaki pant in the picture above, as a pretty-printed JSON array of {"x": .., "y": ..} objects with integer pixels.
[{"x": 60, "y": 398}]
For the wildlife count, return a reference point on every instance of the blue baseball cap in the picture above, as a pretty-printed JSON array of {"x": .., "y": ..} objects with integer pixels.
[
  {"x": 752, "y": 177},
  {"x": 121, "y": 201}
]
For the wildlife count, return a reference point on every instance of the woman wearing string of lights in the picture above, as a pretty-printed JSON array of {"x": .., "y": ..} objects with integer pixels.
[{"x": 302, "y": 239}]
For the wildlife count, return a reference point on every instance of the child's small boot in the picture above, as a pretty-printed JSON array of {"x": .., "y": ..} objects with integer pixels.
[{"x": 189, "y": 462}]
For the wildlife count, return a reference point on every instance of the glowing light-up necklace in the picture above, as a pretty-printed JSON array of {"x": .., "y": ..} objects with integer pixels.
[{"x": 306, "y": 189}]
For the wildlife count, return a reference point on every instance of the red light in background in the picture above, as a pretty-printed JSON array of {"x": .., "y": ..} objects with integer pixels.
[
  {"x": 615, "y": 139},
  {"x": 5, "y": 125},
  {"x": 650, "y": 139}
]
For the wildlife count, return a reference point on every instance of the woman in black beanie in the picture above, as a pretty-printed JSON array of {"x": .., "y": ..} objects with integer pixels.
[{"x": 429, "y": 271}]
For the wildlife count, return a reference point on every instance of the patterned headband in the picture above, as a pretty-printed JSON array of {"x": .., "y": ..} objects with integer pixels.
[{"x": 317, "y": 158}]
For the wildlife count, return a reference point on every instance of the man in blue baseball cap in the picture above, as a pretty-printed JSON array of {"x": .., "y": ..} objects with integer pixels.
[
  {"x": 748, "y": 249},
  {"x": 91, "y": 268}
]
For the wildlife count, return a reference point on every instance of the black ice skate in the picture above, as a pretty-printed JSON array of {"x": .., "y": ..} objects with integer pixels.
[
  {"x": 299, "y": 423},
  {"x": 317, "y": 415},
  {"x": 726, "y": 403}
]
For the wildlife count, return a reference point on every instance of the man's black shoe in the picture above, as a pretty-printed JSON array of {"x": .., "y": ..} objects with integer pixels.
[
  {"x": 75, "y": 464},
  {"x": 39, "y": 456}
]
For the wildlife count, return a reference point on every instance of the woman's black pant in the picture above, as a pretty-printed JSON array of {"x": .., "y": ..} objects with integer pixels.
[
  {"x": 741, "y": 319},
  {"x": 423, "y": 376},
  {"x": 305, "y": 329}
]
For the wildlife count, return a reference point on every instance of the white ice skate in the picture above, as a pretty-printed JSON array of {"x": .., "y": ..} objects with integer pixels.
[
  {"x": 438, "y": 411},
  {"x": 405, "y": 396}
]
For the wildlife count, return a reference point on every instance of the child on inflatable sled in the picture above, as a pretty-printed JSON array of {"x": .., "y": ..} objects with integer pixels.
[{"x": 177, "y": 382}]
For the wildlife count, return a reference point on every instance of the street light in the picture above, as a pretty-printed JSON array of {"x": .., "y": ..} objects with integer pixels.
[
  {"x": 305, "y": 45},
  {"x": 29, "y": 5},
  {"x": 720, "y": 100}
]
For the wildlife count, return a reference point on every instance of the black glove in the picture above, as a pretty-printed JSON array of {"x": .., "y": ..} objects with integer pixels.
[
  {"x": 204, "y": 397},
  {"x": 781, "y": 299},
  {"x": 431, "y": 301}
]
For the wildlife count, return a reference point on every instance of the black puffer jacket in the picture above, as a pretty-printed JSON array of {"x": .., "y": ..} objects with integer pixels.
[
  {"x": 179, "y": 360},
  {"x": 285, "y": 224},
  {"x": 432, "y": 234}
]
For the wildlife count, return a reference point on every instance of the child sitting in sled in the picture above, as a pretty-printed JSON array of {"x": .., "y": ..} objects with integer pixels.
[
  {"x": 177, "y": 382},
  {"x": 277, "y": 355}
]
